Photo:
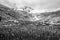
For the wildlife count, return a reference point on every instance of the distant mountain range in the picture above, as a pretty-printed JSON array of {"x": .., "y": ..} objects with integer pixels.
[{"x": 24, "y": 15}]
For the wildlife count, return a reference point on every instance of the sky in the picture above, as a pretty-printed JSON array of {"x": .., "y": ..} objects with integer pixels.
[{"x": 37, "y": 5}]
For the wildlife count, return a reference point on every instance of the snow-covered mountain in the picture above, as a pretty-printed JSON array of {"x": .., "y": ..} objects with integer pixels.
[{"x": 38, "y": 5}]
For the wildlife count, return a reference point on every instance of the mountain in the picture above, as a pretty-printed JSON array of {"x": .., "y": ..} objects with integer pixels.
[{"x": 16, "y": 25}]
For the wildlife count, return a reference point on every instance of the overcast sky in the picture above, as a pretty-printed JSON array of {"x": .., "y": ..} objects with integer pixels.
[{"x": 36, "y": 4}]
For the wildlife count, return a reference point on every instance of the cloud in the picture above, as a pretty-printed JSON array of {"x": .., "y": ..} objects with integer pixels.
[{"x": 35, "y": 4}]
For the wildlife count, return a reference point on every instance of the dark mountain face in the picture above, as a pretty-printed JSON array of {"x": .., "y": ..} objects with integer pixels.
[{"x": 0, "y": 19}]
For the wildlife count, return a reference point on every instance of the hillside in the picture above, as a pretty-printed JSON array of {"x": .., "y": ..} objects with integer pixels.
[{"x": 16, "y": 25}]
